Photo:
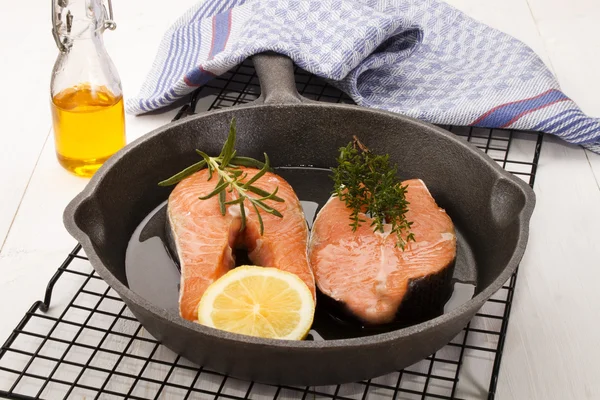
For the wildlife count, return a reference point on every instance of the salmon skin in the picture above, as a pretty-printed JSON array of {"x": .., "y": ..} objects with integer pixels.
[
  {"x": 365, "y": 271},
  {"x": 205, "y": 239}
]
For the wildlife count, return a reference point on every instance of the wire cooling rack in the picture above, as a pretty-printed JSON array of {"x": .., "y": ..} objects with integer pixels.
[{"x": 90, "y": 346}]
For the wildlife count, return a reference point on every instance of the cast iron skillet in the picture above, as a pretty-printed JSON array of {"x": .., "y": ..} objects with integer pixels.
[{"x": 491, "y": 207}]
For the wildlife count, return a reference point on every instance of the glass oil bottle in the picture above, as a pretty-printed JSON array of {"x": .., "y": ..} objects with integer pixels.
[{"x": 86, "y": 95}]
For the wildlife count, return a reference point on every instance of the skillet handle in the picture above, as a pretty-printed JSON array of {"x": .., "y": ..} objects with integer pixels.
[{"x": 276, "y": 76}]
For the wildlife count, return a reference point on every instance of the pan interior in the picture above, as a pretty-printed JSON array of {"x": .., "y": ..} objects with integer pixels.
[{"x": 152, "y": 273}]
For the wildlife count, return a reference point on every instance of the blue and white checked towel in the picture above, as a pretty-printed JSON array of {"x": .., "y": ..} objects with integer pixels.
[{"x": 420, "y": 58}]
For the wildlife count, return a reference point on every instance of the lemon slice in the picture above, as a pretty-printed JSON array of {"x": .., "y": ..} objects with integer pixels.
[{"x": 258, "y": 301}]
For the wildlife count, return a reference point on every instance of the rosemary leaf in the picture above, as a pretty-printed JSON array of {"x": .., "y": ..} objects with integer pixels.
[
  {"x": 221, "y": 185},
  {"x": 236, "y": 173},
  {"x": 246, "y": 162},
  {"x": 268, "y": 209},
  {"x": 259, "y": 174},
  {"x": 208, "y": 163},
  {"x": 226, "y": 152},
  {"x": 183, "y": 174},
  {"x": 261, "y": 192},
  {"x": 204, "y": 155},
  {"x": 227, "y": 158},
  {"x": 243, "y": 215},
  {"x": 260, "y": 220},
  {"x": 270, "y": 195},
  {"x": 236, "y": 201},
  {"x": 222, "y": 202}
]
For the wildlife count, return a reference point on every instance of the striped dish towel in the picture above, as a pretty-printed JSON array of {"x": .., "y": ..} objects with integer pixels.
[{"x": 420, "y": 58}]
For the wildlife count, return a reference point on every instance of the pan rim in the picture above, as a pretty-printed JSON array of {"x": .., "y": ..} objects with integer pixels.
[{"x": 474, "y": 303}]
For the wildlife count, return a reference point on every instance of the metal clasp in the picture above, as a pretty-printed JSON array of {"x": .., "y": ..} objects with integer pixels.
[
  {"x": 109, "y": 23},
  {"x": 56, "y": 23}
]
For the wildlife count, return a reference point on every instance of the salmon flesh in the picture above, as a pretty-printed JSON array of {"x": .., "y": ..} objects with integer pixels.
[
  {"x": 205, "y": 239},
  {"x": 365, "y": 270}
]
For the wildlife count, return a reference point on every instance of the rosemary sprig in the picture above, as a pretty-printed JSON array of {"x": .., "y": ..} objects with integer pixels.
[
  {"x": 368, "y": 185},
  {"x": 231, "y": 179}
]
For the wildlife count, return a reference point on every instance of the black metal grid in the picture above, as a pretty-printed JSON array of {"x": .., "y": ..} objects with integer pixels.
[{"x": 90, "y": 345}]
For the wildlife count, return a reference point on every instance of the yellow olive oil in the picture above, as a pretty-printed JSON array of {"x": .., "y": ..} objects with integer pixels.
[{"x": 89, "y": 127}]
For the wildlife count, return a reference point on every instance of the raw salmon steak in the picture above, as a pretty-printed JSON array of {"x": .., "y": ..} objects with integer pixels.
[
  {"x": 205, "y": 239},
  {"x": 365, "y": 270}
]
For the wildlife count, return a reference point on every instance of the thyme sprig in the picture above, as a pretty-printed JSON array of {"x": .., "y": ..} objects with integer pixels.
[
  {"x": 368, "y": 185},
  {"x": 232, "y": 179}
]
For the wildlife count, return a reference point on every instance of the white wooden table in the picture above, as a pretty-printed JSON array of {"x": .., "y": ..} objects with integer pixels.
[{"x": 552, "y": 347}]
